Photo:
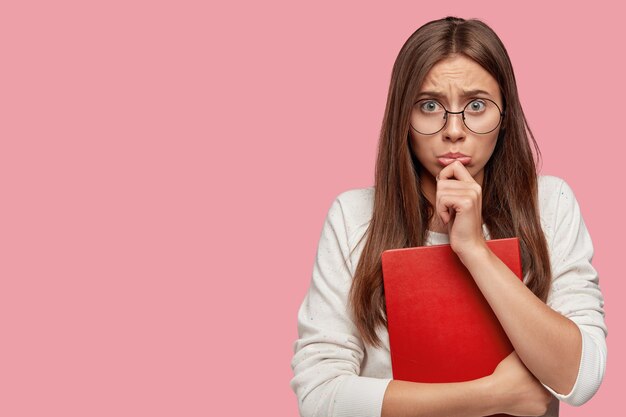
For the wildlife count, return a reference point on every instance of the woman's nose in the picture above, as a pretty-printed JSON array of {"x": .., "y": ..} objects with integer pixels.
[{"x": 455, "y": 127}]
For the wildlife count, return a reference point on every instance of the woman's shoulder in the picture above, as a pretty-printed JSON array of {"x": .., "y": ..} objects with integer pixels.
[
  {"x": 551, "y": 188},
  {"x": 557, "y": 203},
  {"x": 356, "y": 206},
  {"x": 357, "y": 196},
  {"x": 548, "y": 183}
]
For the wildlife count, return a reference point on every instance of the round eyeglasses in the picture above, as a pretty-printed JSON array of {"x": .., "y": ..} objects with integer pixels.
[{"x": 481, "y": 115}]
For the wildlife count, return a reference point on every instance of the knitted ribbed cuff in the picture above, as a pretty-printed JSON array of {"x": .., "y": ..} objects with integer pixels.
[
  {"x": 360, "y": 396},
  {"x": 590, "y": 373}
]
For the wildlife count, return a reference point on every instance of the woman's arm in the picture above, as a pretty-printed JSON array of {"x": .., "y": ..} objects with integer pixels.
[
  {"x": 563, "y": 342},
  {"x": 510, "y": 389},
  {"x": 467, "y": 399},
  {"x": 548, "y": 343},
  {"x": 329, "y": 352}
]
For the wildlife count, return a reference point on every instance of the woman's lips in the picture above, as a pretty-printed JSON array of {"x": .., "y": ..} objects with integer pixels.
[{"x": 465, "y": 160}]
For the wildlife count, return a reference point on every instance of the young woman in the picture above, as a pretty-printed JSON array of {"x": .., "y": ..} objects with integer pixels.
[{"x": 454, "y": 166}]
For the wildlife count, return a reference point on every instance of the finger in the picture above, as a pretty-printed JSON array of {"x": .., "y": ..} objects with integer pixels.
[
  {"x": 456, "y": 192},
  {"x": 446, "y": 206},
  {"x": 445, "y": 215},
  {"x": 455, "y": 170},
  {"x": 452, "y": 217},
  {"x": 454, "y": 184},
  {"x": 459, "y": 188},
  {"x": 441, "y": 209}
]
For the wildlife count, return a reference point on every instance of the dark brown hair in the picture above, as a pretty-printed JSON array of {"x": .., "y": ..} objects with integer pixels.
[{"x": 401, "y": 212}]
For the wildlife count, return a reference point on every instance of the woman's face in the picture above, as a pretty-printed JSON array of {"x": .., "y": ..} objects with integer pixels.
[{"x": 447, "y": 82}]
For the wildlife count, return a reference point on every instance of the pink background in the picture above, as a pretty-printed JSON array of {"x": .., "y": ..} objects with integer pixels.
[{"x": 166, "y": 167}]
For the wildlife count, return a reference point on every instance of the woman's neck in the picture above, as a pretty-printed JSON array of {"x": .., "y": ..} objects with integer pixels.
[{"x": 436, "y": 225}]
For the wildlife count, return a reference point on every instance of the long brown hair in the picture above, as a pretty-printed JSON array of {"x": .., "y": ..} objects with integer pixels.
[{"x": 401, "y": 212}]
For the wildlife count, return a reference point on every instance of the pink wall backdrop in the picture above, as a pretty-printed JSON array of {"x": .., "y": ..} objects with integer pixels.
[{"x": 166, "y": 167}]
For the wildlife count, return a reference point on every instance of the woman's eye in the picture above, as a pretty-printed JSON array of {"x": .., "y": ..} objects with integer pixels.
[
  {"x": 430, "y": 106},
  {"x": 476, "y": 106}
]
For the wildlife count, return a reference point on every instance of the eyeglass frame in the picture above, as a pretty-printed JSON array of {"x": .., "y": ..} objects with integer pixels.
[{"x": 459, "y": 112}]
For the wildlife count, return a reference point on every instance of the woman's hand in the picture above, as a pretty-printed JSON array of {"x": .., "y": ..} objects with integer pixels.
[
  {"x": 517, "y": 391},
  {"x": 458, "y": 203}
]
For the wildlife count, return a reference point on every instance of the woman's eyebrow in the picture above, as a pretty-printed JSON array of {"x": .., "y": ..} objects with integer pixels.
[{"x": 466, "y": 93}]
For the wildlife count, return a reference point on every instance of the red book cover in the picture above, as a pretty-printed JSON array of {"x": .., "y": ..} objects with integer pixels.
[{"x": 441, "y": 327}]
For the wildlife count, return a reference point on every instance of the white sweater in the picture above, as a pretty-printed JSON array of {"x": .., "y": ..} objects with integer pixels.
[{"x": 336, "y": 375}]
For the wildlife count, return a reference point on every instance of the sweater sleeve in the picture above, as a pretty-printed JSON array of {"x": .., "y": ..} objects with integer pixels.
[
  {"x": 575, "y": 293},
  {"x": 329, "y": 350}
]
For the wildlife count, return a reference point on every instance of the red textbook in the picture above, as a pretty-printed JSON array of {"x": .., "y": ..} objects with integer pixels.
[{"x": 441, "y": 327}]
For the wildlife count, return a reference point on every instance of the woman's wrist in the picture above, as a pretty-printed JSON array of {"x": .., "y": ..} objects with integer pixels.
[
  {"x": 474, "y": 398},
  {"x": 476, "y": 253},
  {"x": 490, "y": 389}
]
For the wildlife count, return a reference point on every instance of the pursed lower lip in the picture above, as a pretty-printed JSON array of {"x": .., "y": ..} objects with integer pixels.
[{"x": 465, "y": 160}]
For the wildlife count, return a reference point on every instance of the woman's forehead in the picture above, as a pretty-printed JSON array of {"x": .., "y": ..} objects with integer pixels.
[{"x": 459, "y": 76}]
